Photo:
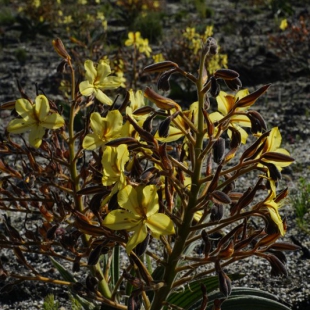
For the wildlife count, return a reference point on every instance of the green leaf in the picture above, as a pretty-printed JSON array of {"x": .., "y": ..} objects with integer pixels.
[
  {"x": 66, "y": 274},
  {"x": 242, "y": 297},
  {"x": 188, "y": 297},
  {"x": 87, "y": 305},
  {"x": 50, "y": 303},
  {"x": 255, "y": 302},
  {"x": 157, "y": 275}
]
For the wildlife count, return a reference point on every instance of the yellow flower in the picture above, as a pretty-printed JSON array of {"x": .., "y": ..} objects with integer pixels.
[
  {"x": 190, "y": 33},
  {"x": 208, "y": 32},
  {"x": 113, "y": 162},
  {"x": 136, "y": 100},
  {"x": 37, "y": 3},
  {"x": 283, "y": 24},
  {"x": 225, "y": 104},
  {"x": 138, "y": 214},
  {"x": 104, "y": 129},
  {"x": 137, "y": 40},
  {"x": 158, "y": 57},
  {"x": 218, "y": 61},
  {"x": 36, "y": 118},
  {"x": 133, "y": 38},
  {"x": 98, "y": 79},
  {"x": 273, "y": 207},
  {"x": 273, "y": 144},
  {"x": 144, "y": 47}
]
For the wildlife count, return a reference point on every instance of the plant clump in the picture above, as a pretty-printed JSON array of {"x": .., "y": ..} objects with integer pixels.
[{"x": 127, "y": 197}]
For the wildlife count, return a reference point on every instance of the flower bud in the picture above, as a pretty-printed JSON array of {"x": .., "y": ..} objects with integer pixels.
[
  {"x": 134, "y": 302},
  {"x": 160, "y": 101},
  {"x": 219, "y": 150},
  {"x": 210, "y": 46},
  {"x": 215, "y": 88},
  {"x": 226, "y": 74},
  {"x": 277, "y": 267},
  {"x": 60, "y": 49},
  {"x": 163, "y": 129},
  {"x": 224, "y": 283},
  {"x": 94, "y": 255},
  {"x": 91, "y": 283},
  {"x": 163, "y": 81},
  {"x": 258, "y": 124},
  {"x": 160, "y": 66},
  {"x": 217, "y": 212},
  {"x": 207, "y": 243},
  {"x": 141, "y": 247},
  {"x": 250, "y": 99},
  {"x": 234, "y": 84},
  {"x": 220, "y": 197},
  {"x": 148, "y": 123}
]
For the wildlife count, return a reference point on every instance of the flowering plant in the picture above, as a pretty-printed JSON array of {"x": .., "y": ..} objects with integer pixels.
[{"x": 140, "y": 186}]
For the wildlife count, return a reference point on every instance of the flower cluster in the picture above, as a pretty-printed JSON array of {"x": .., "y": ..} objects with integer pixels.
[
  {"x": 141, "y": 175},
  {"x": 135, "y": 39}
]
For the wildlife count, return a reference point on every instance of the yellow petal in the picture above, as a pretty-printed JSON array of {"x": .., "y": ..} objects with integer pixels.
[
  {"x": 242, "y": 93},
  {"x": 174, "y": 135},
  {"x": 136, "y": 99},
  {"x": 103, "y": 70},
  {"x": 215, "y": 117},
  {"x": 160, "y": 224},
  {"x": 91, "y": 71},
  {"x": 86, "y": 88},
  {"x": 42, "y": 107},
  {"x": 131, "y": 39},
  {"x": 24, "y": 108},
  {"x": 120, "y": 220},
  {"x": 243, "y": 133},
  {"x": 274, "y": 139},
  {"x": 127, "y": 199},
  {"x": 96, "y": 123},
  {"x": 150, "y": 200},
  {"x": 275, "y": 216},
  {"x": 225, "y": 102},
  {"x": 36, "y": 135},
  {"x": 114, "y": 122},
  {"x": 140, "y": 233},
  {"x": 113, "y": 162},
  {"x": 92, "y": 141},
  {"x": 102, "y": 97},
  {"x": 241, "y": 120},
  {"x": 20, "y": 125},
  {"x": 111, "y": 82},
  {"x": 53, "y": 121}
]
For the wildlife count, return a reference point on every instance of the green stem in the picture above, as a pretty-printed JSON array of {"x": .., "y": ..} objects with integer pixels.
[
  {"x": 184, "y": 230},
  {"x": 96, "y": 270}
]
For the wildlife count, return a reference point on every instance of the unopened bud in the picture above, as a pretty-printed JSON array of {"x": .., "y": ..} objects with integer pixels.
[
  {"x": 215, "y": 88},
  {"x": 60, "y": 49},
  {"x": 141, "y": 247},
  {"x": 224, "y": 283},
  {"x": 219, "y": 150},
  {"x": 217, "y": 212},
  {"x": 160, "y": 101},
  {"x": 210, "y": 46},
  {"x": 234, "y": 84},
  {"x": 160, "y": 66},
  {"x": 163, "y": 129},
  {"x": 163, "y": 81},
  {"x": 226, "y": 74}
]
